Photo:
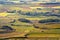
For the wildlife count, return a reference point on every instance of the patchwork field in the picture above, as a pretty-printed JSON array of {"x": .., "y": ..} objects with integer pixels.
[{"x": 22, "y": 22}]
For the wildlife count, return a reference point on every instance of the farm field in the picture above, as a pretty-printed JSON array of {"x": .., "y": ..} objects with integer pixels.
[{"x": 29, "y": 22}]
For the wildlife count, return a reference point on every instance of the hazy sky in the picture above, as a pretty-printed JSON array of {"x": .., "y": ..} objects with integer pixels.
[{"x": 36, "y": 0}]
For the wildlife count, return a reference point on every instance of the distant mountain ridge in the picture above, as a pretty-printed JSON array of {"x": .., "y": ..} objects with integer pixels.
[
  {"x": 49, "y": 4},
  {"x": 3, "y": 2},
  {"x": 15, "y": 2}
]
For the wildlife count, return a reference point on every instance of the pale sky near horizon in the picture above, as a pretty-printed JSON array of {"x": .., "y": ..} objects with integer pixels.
[{"x": 35, "y": 0}]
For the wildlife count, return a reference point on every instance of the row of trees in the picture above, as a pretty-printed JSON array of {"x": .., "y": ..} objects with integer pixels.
[{"x": 34, "y": 13}]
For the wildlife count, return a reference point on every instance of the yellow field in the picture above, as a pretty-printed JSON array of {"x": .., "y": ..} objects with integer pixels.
[{"x": 4, "y": 14}]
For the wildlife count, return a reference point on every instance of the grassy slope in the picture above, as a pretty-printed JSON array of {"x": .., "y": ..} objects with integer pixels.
[{"x": 24, "y": 28}]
